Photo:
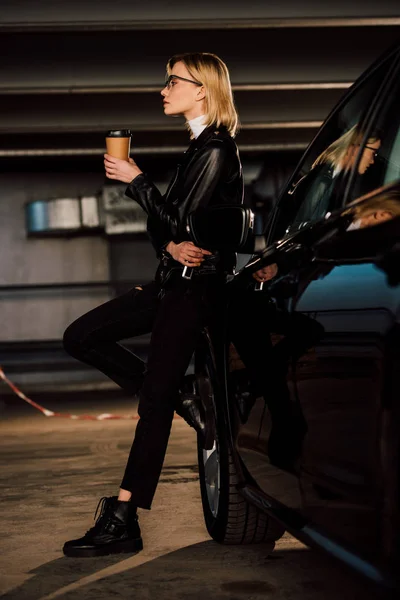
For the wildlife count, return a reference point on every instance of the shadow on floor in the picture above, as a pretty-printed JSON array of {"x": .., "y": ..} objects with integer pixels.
[{"x": 202, "y": 571}]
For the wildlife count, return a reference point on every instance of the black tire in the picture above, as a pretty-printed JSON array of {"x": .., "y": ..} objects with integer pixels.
[{"x": 230, "y": 519}]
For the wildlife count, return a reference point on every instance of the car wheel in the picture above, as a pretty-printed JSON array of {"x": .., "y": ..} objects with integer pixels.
[{"x": 229, "y": 518}]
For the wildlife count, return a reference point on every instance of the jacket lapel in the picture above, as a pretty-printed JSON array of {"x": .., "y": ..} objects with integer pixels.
[
  {"x": 194, "y": 145},
  {"x": 203, "y": 138}
]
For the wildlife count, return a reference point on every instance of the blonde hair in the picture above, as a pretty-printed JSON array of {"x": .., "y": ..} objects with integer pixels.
[
  {"x": 336, "y": 152},
  {"x": 388, "y": 201},
  {"x": 213, "y": 73}
]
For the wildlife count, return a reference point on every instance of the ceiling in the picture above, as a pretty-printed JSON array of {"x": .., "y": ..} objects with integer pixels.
[{"x": 71, "y": 71}]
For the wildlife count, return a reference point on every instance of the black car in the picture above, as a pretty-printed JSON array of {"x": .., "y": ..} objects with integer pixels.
[{"x": 300, "y": 378}]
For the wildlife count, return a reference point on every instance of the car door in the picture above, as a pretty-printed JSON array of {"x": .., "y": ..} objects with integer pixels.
[
  {"x": 340, "y": 385},
  {"x": 307, "y": 353},
  {"x": 345, "y": 385}
]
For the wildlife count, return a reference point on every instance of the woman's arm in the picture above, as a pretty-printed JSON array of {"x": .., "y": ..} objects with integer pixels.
[
  {"x": 185, "y": 252},
  {"x": 124, "y": 171},
  {"x": 121, "y": 170},
  {"x": 196, "y": 190}
]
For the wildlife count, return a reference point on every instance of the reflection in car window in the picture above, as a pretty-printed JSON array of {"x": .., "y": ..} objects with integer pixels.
[
  {"x": 382, "y": 160},
  {"x": 317, "y": 185},
  {"x": 380, "y": 207},
  {"x": 320, "y": 186}
]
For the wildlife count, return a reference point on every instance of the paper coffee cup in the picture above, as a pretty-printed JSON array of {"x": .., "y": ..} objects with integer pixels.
[{"x": 118, "y": 143}]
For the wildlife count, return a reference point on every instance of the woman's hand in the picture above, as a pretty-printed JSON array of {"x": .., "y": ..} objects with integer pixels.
[
  {"x": 121, "y": 170},
  {"x": 187, "y": 253},
  {"x": 266, "y": 273}
]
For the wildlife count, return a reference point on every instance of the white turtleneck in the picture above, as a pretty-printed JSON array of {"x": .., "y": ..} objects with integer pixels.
[{"x": 197, "y": 126}]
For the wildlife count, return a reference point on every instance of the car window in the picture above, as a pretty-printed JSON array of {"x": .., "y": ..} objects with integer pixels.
[
  {"x": 317, "y": 185},
  {"x": 378, "y": 162}
]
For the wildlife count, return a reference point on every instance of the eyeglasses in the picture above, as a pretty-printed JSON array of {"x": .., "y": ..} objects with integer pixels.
[
  {"x": 169, "y": 81},
  {"x": 374, "y": 150}
]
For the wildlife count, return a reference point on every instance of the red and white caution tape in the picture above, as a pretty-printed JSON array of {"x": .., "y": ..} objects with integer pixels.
[{"x": 50, "y": 413}]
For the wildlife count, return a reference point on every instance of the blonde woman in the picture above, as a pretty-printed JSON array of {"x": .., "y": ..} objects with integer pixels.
[
  {"x": 174, "y": 308},
  {"x": 341, "y": 154}
]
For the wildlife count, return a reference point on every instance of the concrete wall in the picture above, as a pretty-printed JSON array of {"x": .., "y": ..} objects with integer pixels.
[{"x": 45, "y": 314}]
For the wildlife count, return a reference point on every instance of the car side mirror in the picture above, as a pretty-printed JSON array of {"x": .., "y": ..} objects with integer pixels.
[{"x": 222, "y": 227}]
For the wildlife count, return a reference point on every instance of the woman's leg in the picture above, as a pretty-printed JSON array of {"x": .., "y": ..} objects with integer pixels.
[
  {"x": 177, "y": 327},
  {"x": 93, "y": 338}
]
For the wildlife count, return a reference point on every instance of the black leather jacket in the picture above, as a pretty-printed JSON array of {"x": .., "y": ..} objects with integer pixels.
[{"x": 209, "y": 173}]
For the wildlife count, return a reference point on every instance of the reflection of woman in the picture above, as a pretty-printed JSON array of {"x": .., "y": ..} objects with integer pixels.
[
  {"x": 173, "y": 308},
  {"x": 267, "y": 365},
  {"x": 383, "y": 207},
  {"x": 319, "y": 185},
  {"x": 342, "y": 153}
]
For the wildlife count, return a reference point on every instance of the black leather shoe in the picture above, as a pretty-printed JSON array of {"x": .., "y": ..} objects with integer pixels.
[
  {"x": 188, "y": 405},
  {"x": 189, "y": 408},
  {"x": 116, "y": 531}
]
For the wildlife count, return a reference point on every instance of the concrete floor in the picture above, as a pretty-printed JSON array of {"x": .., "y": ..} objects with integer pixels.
[{"x": 54, "y": 470}]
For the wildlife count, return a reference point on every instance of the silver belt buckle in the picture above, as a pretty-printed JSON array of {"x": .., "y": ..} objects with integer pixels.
[{"x": 187, "y": 272}]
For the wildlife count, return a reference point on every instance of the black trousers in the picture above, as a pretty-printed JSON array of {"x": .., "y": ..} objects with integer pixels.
[{"x": 176, "y": 317}]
